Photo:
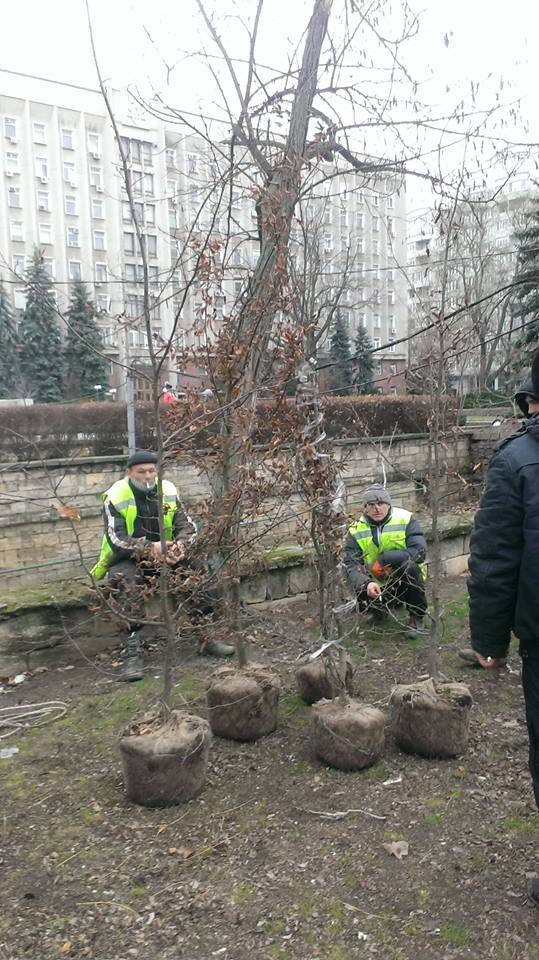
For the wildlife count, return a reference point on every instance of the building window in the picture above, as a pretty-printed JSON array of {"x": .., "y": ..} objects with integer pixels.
[
  {"x": 14, "y": 197},
  {"x": 16, "y": 230},
  {"x": 48, "y": 265},
  {"x": 73, "y": 237},
  {"x": 148, "y": 184},
  {"x": 391, "y": 346},
  {"x": 129, "y": 243},
  {"x": 147, "y": 153},
  {"x": 377, "y": 343},
  {"x": 328, "y": 217},
  {"x": 390, "y": 276},
  {"x": 328, "y": 243},
  {"x": 149, "y": 215},
  {"x": 74, "y": 269},
  {"x": 344, "y": 217},
  {"x": 42, "y": 200},
  {"x": 359, "y": 245},
  {"x": 375, "y": 200},
  {"x": 170, "y": 157},
  {"x": 41, "y": 167},
  {"x": 94, "y": 145},
  {"x": 392, "y": 369},
  {"x": 10, "y": 128},
  {"x": 131, "y": 273},
  {"x": 101, "y": 272},
  {"x": 153, "y": 274},
  {"x": 376, "y": 295},
  {"x": 151, "y": 245},
  {"x": 66, "y": 136},
  {"x": 376, "y": 247},
  {"x": 390, "y": 203},
  {"x": 100, "y": 240},
  {"x": 18, "y": 262},
  {"x": 362, "y": 321},
  {"x": 12, "y": 162},
  {"x": 376, "y": 320},
  {"x": 96, "y": 176},
  {"x": 70, "y": 204},
  {"x": 98, "y": 211},
  {"x": 390, "y": 227},
  {"x": 391, "y": 297},
  {"x": 45, "y": 233},
  {"x": 376, "y": 223},
  {"x": 360, "y": 219},
  {"x": 69, "y": 172},
  {"x": 126, "y": 211},
  {"x": 192, "y": 163},
  {"x": 102, "y": 303},
  {"x": 39, "y": 132},
  {"x": 20, "y": 299}
]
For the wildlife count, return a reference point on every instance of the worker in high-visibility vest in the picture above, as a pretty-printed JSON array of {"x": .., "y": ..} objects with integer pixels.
[
  {"x": 384, "y": 555},
  {"x": 131, "y": 547}
]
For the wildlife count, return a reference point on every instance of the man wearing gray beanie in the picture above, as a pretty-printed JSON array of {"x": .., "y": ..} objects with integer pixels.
[{"x": 384, "y": 555}]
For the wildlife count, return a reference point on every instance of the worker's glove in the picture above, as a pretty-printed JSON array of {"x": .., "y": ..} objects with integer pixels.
[
  {"x": 394, "y": 558},
  {"x": 380, "y": 571}
]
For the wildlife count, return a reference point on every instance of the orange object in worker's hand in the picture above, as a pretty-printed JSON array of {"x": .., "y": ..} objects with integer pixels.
[{"x": 377, "y": 570}]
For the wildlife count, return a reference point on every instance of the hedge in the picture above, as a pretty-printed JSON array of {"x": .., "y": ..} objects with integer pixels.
[{"x": 100, "y": 429}]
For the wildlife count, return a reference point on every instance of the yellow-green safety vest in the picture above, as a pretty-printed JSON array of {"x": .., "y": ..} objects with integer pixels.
[
  {"x": 122, "y": 498},
  {"x": 392, "y": 537}
]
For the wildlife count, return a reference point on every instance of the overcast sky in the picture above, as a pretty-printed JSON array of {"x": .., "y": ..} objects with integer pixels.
[{"x": 458, "y": 44}]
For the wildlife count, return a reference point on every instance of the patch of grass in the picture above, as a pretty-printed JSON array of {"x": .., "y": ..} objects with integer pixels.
[
  {"x": 423, "y": 897},
  {"x": 433, "y": 819},
  {"x": 275, "y": 927},
  {"x": 455, "y": 935},
  {"x": 378, "y": 772},
  {"x": 137, "y": 890},
  {"x": 190, "y": 687},
  {"x": 243, "y": 893},
  {"x": 294, "y": 704},
  {"x": 307, "y": 905},
  {"x": 336, "y": 951},
  {"x": 520, "y": 825}
]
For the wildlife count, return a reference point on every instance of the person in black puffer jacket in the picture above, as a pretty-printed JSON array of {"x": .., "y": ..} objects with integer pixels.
[{"x": 503, "y": 585}]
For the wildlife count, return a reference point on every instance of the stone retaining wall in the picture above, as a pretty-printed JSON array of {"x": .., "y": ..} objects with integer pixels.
[{"x": 37, "y": 543}]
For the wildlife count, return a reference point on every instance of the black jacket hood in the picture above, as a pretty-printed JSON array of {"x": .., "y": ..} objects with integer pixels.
[{"x": 527, "y": 388}]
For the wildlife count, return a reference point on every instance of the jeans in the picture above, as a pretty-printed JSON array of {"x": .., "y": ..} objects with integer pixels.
[{"x": 404, "y": 585}]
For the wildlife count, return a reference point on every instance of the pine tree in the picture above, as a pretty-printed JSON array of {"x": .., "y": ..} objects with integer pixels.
[
  {"x": 363, "y": 362},
  {"x": 85, "y": 365},
  {"x": 42, "y": 362},
  {"x": 340, "y": 354},
  {"x": 526, "y": 301},
  {"x": 9, "y": 349}
]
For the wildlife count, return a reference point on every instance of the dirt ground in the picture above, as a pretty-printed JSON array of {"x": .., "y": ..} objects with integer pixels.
[{"x": 261, "y": 865}]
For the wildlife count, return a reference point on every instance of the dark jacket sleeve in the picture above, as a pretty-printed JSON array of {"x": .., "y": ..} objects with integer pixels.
[
  {"x": 354, "y": 562},
  {"x": 416, "y": 544},
  {"x": 495, "y": 555},
  {"x": 122, "y": 545},
  {"x": 184, "y": 527}
]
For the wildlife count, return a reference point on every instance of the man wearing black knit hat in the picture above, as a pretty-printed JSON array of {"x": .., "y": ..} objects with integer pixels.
[
  {"x": 503, "y": 585},
  {"x": 131, "y": 546}
]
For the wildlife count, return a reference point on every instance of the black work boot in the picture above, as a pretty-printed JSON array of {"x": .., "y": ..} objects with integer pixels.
[
  {"x": 216, "y": 648},
  {"x": 378, "y": 615},
  {"x": 533, "y": 890},
  {"x": 132, "y": 667},
  {"x": 416, "y": 626}
]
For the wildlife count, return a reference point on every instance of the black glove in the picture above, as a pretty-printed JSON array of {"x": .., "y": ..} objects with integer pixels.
[{"x": 394, "y": 558}]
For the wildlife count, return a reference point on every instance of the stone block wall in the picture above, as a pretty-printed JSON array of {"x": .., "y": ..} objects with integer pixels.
[{"x": 37, "y": 543}]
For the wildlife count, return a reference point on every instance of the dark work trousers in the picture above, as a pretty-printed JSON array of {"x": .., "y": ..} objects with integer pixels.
[
  {"x": 404, "y": 585},
  {"x": 129, "y": 582},
  {"x": 530, "y": 685}
]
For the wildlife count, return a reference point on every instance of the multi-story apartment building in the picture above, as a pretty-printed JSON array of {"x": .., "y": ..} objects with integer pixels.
[
  {"x": 63, "y": 191},
  {"x": 478, "y": 257}
]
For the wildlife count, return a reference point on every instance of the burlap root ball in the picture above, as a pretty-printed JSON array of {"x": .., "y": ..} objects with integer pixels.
[
  {"x": 168, "y": 764},
  {"x": 316, "y": 683},
  {"x": 347, "y": 736},
  {"x": 432, "y": 718},
  {"x": 243, "y": 704}
]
